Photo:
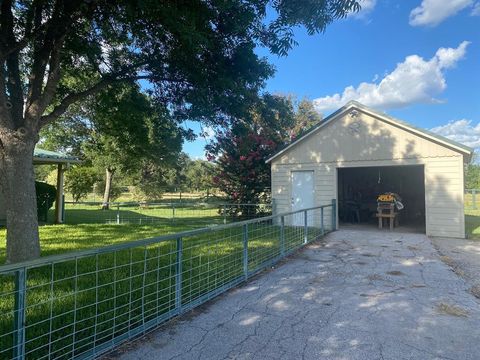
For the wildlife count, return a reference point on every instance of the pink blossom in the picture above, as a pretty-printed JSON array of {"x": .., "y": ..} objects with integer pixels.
[{"x": 210, "y": 157}]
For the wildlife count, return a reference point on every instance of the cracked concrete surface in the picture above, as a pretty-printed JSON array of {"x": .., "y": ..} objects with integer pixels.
[
  {"x": 463, "y": 256},
  {"x": 357, "y": 295}
]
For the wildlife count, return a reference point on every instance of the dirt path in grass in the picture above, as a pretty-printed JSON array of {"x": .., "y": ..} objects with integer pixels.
[{"x": 359, "y": 295}]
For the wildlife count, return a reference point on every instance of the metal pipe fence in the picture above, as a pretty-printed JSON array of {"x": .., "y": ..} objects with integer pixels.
[
  {"x": 82, "y": 304},
  {"x": 143, "y": 213},
  {"x": 472, "y": 199}
]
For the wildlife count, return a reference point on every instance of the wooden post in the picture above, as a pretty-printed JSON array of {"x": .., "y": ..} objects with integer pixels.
[{"x": 59, "y": 200}]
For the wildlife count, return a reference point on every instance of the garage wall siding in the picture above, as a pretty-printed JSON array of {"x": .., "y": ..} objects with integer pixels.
[
  {"x": 338, "y": 146},
  {"x": 325, "y": 188},
  {"x": 363, "y": 138},
  {"x": 444, "y": 194}
]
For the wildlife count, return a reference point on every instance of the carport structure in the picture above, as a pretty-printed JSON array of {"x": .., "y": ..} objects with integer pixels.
[
  {"x": 356, "y": 153},
  {"x": 45, "y": 157}
]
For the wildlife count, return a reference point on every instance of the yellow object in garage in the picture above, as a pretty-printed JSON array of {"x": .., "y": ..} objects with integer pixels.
[{"x": 386, "y": 198}]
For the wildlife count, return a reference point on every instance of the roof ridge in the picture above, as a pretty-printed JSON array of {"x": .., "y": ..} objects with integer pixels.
[{"x": 386, "y": 117}]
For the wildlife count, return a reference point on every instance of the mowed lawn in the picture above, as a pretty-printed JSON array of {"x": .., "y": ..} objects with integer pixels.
[
  {"x": 87, "y": 226},
  {"x": 76, "y": 303},
  {"x": 472, "y": 216},
  {"x": 472, "y": 223},
  {"x": 201, "y": 214}
]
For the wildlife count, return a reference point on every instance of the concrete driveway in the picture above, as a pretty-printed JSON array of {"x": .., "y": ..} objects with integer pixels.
[{"x": 357, "y": 295}]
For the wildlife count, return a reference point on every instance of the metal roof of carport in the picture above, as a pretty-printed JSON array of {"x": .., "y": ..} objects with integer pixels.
[
  {"x": 382, "y": 116},
  {"x": 41, "y": 156}
]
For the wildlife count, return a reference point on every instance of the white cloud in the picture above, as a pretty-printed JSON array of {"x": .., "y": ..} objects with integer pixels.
[
  {"x": 462, "y": 131},
  {"x": 367, "y": 7},
  {"x": 433, "y": 12},
  {"x": 413, "y": 81},
  {"x": 208, "y": 133},
  {"x": 476, "y": 10}
]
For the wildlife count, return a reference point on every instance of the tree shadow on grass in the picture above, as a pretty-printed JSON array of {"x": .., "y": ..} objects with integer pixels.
[{"x": 472, "y": 225}]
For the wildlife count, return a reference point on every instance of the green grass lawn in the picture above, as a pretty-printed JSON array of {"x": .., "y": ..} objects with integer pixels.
[
  {"x": 59, "y": 239},
  {"x": 166, "y": 197},
  {"x": 77, "y": 303},
  {"x": 128, "y": 213},
  {"x": 472, "y": 223},
  {"x": 89, "y": 227}
]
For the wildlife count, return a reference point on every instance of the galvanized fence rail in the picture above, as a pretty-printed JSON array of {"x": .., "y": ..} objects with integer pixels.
[
  {"x": 144, "y": 213},
  {"x": 82, "y": 304},
  {"x": 472, "y": 199}
]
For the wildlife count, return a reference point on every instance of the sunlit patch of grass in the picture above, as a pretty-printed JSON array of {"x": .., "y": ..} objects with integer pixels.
[
  {"x": 472, "y": 223},
  {"x": 140, "y": 214},
  {"x": 59, "y": 239}
]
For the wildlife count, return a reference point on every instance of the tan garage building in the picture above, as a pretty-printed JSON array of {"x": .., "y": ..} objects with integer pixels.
[{"x": 357, "y": 153}]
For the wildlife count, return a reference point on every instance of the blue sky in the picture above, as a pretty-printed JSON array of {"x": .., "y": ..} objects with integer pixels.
[{"x": 416, "y": 60}]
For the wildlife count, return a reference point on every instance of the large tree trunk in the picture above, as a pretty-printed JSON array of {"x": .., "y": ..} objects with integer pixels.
[
  {"x": 18, "y": 190},
  {"x": 108, "y": 186}
]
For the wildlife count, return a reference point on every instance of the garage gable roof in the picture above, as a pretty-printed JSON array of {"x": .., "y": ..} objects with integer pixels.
[{"x": 355, "y": 105}]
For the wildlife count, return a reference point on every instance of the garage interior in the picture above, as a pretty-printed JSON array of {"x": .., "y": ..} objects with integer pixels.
[{"x": 359, "y": 187}]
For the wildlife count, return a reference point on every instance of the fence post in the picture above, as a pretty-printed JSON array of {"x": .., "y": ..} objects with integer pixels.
[
  {"x": 19, "y": 318},
  {"x": 118, "y": 214},
  {"x": 245, "y": 251},
  {"x": 224, "y": 213},
  {"x": 474, "y": 200},
  {"x": 305, "y": 227},
  {"x": 63, "y": 208},
  {"x": 282, "y": 236},
  {"x": 334, "y": 214},
  {"x": 322, "y": 227},
  {"x": 178, "y": 276},
  {"x": 173, "y": 211}
]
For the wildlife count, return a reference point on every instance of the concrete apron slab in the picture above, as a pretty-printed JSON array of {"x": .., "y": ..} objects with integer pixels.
[{"x": 357, "y": 295}]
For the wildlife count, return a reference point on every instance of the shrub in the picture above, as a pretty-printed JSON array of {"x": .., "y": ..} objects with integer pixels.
[
  {"x": 79, "y": 181},
  {"x": 46, "y": 195}
]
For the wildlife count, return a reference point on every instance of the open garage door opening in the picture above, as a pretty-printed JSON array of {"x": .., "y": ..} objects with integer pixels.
[{"x": 359, "y": 188}]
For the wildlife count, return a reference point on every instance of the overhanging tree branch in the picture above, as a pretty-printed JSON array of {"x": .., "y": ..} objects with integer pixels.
[
  {"x": 38, "y": 106},
  {"x": 73, "y": 98},
  {"x": 102, "y": 84},
  {"x": 33, "y": 29},
  {"x": 21, "y": 44},
  {"x": 64, "y": 15},
  {"x": 13, "y": 79}
]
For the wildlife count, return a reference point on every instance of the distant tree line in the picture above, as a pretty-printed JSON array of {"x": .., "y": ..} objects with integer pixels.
[
  {"x": 472, "y": 174},
  {"x": 125, "y": 142}
]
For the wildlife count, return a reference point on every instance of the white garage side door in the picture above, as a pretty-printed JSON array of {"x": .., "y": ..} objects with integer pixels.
[{"x": 302, "y": 194}]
